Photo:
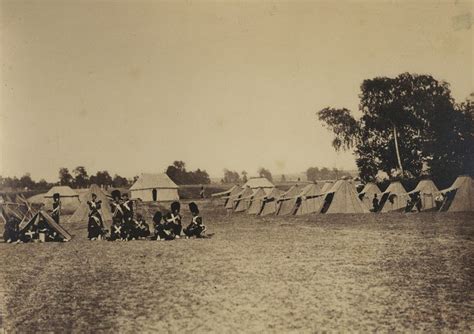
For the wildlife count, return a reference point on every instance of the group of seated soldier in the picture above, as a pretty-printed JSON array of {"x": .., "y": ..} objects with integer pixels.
[
  {"x": 125, "y": 226},
  {"x": 36, "y": 231}
]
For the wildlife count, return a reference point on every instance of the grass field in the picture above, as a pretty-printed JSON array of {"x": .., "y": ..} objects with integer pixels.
[{"x": 274, "y": 274}]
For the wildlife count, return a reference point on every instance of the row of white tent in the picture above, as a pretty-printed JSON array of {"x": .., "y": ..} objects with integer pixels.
[{"x": 260, "y": 197}]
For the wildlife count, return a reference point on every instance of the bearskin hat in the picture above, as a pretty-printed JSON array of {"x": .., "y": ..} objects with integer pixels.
[
  {"x": 116, "y": 194},
  {"x": 56, "y": 195},
  {"x": 157, "y": 217},
  {"x": 193, "y": 208},
  {"x": 175, "y": 206}
]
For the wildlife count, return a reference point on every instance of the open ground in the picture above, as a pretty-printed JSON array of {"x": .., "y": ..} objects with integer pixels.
[{"x": 365, "y": 272}]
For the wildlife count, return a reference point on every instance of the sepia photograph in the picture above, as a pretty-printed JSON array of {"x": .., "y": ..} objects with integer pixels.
[{"x": 236, "y": 166}]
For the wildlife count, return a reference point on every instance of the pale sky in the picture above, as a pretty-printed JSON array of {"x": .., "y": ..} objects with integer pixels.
[{"x": 132, "y": 86}]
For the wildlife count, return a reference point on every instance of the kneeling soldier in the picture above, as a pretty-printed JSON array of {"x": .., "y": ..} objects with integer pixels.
[
  {"x": 196, "y": 227},
  {"x": 173, "y": 219}
]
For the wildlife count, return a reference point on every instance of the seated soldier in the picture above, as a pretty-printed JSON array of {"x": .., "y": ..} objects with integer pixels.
[
  {"x": 11, "y": 232},
  {"x": 162, "y": 232},
  {"x": 173, "y": 219},
  {"x": 141, "y": 229},
  {"x": 31, "y": 234},
  {"x": 196, "y": 227}
]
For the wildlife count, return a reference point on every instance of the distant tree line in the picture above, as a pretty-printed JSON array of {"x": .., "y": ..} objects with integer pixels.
[
  {"x": 234, "y": 177},
  {"x": 24, "y": 182},
  {"x": 178, "y": 173},
  {"x": 314, "y": 174},
  {"x": 79, "y": 178}
]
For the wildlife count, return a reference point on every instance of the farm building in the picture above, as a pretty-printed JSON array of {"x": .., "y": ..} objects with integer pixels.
[{"x": 153, "y": 188}]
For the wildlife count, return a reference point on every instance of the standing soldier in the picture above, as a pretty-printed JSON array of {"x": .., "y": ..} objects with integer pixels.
[
  {"x": 56, "y": 208},
  {"x": 127, "y": 209},
  {"x": 375, "y": 204},
  {"x": 117, "y": 216},
  {"x": 95, "y": 226},
  {"x": 201, "y": 193}
]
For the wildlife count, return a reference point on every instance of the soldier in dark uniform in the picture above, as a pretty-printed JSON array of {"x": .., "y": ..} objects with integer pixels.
[
  {"x": 196, "y": 228},
  {"x": 11, "y": 232},
  {"x": 56, "y": 207},
  {"x": 162, "y": 231},
  {"x": 127, "y": 209},
  {"x": 117, "y": 216},
  {"x": 95, "y": 225},
  {"x": 173, "y": 219},
  {"x": 140, "y": 230},
  {"x": 375, "y": 203}
]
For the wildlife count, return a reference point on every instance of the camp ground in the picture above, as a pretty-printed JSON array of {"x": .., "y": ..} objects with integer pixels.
[{"x": 460, "y": 196}]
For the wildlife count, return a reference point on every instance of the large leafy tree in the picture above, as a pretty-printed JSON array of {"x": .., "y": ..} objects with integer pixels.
[
  {"x": 65, "y": 178},
  {"x": 81, "y": 178},
  {"x": 406, "y": 122}
]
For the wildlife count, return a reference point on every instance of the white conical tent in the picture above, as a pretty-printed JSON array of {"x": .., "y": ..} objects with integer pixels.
[
  {"x": 395, "y": 198},
  {"x": 367, "y": 194},
  {"x": 257, "y": 201},
  {"x": 460, "y": 196},
  {"x": 242, "y": 202},
  {"x": 233, "y": 195},
  {"x": 327, "y": 186},
  {"x": 287, "y": 201},
  {"x": 82, "y": 213},
  {"x": 343, "y": 198},
  {"x": 270, "y": 202},
  {"x": 224, "y": 195},
  {"x": 427, "y": 191},
  {"x": 310, "y": 200}
]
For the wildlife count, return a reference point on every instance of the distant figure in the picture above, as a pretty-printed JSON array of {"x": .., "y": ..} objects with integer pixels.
[
  {"x": 201, "y": 193},
  {"x": 375, "y": 203},
  {"x": 56, "y": 208},
  {"x": 418, "y": 203},
  {"x": 196, "y": 228},
  {"x": 173, "y": 219},
  {"x": 439, "y": 200}
]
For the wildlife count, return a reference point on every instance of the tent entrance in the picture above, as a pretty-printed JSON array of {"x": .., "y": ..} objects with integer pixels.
[
  {"x": 154, "y": 195},
  {"x": 327, "y": 202},
  {"x": 448, "y": 200}
]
